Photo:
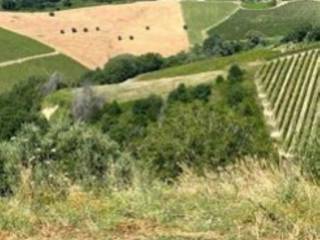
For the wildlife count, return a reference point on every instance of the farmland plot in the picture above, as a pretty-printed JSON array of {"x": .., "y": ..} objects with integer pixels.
[
  {"x": 200, "y": 16},
  {"x": 93, "y": 35},
  {"x": 290, "y": 91},
  {"x": 271, "y": 22}
]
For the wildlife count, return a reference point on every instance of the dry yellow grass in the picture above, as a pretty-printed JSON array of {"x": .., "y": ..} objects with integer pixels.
[
  {"x": 93, "y": 48},
  {"x": 249, "y": 200}
]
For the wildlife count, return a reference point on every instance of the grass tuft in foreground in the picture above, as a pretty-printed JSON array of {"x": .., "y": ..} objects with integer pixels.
[{"x": 246, "y": 201}]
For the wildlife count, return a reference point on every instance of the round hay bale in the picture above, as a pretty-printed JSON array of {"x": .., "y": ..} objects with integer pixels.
[
  {"x": 52, "y": 14},
  {"x": 85, "y": 30},
  {"x": 62, "y": 31},
  {"x": 97, "y": 28},
  {"x": 147, "y": 28},
  {"x": 119, "y": 38},
  {"x": 74, "y": 30},
  {"x": 131, "y": 37}
]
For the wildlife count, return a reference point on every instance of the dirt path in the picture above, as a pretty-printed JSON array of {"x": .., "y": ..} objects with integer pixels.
[
  {"x": 26, "y": 59},
  {"x": 132, "y": 90},
  {"x": 204, "y": 32}
]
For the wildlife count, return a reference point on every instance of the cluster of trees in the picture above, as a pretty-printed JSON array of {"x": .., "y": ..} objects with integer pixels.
[
  {"x": 127, "y": 66},
  {"x": 303, "y": 33},
  {"x": 208, "y": 125},
  {"x": 19, "y": 106},
  {"x": 14, "y": 5},
  {"x": 123, "y": 67},
  {"x": 202, "y": 127},
  {"x": 33, "y": 4}
]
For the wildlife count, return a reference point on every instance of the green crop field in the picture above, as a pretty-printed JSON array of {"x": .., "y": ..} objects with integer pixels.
[
  {"x": 273, "y": 22},
  {"x": 43, "y": 67},
  {"x": 291, "y": 88},
  {"x": 14, "y": 46},
  {"x": 257, "y": 5},
  {"x": 210, "y": 64},
  {"x": 200, "y": 16}
]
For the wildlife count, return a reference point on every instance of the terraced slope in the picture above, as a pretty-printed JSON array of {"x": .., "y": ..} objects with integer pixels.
[{"x": 290, "y": 91}]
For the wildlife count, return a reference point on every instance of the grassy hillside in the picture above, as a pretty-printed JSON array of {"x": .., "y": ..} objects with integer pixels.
[
  {"x": 291, "y": 87},
  {"x": 212, "y": 64},
  {"x": 13, "y": 74},
  {"x": 272, "y": 22},
  {"x": 200, "y": 16},
  {"x": 14, "y": 46}
]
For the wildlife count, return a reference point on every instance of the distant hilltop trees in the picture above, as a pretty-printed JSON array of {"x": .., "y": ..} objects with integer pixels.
[{"x": 14, "y": 5}]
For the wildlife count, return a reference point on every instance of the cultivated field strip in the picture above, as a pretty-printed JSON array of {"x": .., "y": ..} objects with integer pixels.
[{"x": 290, "y": 91}]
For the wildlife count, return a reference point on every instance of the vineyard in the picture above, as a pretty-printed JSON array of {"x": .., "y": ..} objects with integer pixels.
[{"x": 289, "y": 89}]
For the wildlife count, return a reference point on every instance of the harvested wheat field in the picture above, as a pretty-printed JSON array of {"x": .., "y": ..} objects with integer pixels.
[{"x": 95, "y": 34}]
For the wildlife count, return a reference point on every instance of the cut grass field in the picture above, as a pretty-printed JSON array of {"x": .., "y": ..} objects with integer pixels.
[
  {"x": 200, "y": 16},
  {"x": 93, "y": 35},
  {"x": 211, "y": 64},
  {"x": 44, "y": 67},
  {"x": 271, "y": 22},
  {"x": 14, "y": 46}
]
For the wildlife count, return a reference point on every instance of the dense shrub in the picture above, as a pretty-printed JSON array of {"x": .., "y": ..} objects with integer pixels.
[
  {"x": 235, "y": 74},
  {"x": 184, "y": 94},
  {"x": 19, "y": 106},
  {"x": 200, "y": 136},
  {"x": 80, "y": 153},
  {"x": 201, "y": 92},
  {"x": 216, "y": 46},
  {"x": 9, "y": 4},
  {"x": 304, "y": 32},
  {"x": 147, "y": 109},
  {"x": 123, "y": 67},
  {"x": 180, "y": 94}
]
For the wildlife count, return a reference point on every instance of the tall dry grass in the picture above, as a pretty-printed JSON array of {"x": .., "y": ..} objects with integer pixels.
[{"x": 249, "y": 200}]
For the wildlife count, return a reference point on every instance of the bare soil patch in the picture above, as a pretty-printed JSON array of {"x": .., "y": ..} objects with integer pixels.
[{"x": 91, "y": 35}]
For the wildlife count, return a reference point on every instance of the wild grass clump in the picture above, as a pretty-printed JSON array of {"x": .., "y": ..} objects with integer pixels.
[{"x": 248, "y": 200}]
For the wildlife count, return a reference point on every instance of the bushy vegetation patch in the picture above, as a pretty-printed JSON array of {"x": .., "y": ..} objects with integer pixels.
[
  {"x": 79, "y": 153},
  {"x": 202, "y": 126},
  {"x": 127, "y": 66},
  {"x": 123, "y": 67},
  {"x": 303, "y": 33},
  {"x": 13, "y": 5},
  {"x": 19, "y": 106}
]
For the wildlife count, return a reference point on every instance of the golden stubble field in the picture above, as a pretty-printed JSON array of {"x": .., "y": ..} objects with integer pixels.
[{"x": 93, "y": 35}]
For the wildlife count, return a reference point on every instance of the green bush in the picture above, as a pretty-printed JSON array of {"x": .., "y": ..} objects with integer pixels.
[
  {"x": 201, "y": 92},
  {"x": 180, "y": 94},
  {"x": 123, "y": 67},
  {"x": 81, "y": 153},
  {"x": 147, "y": 109},
  {"x": 235, "y": 74},
  {"x": 19, "y": 106}
]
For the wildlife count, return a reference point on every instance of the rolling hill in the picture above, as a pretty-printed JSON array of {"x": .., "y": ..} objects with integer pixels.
[{"x": 273, "y": 22}]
